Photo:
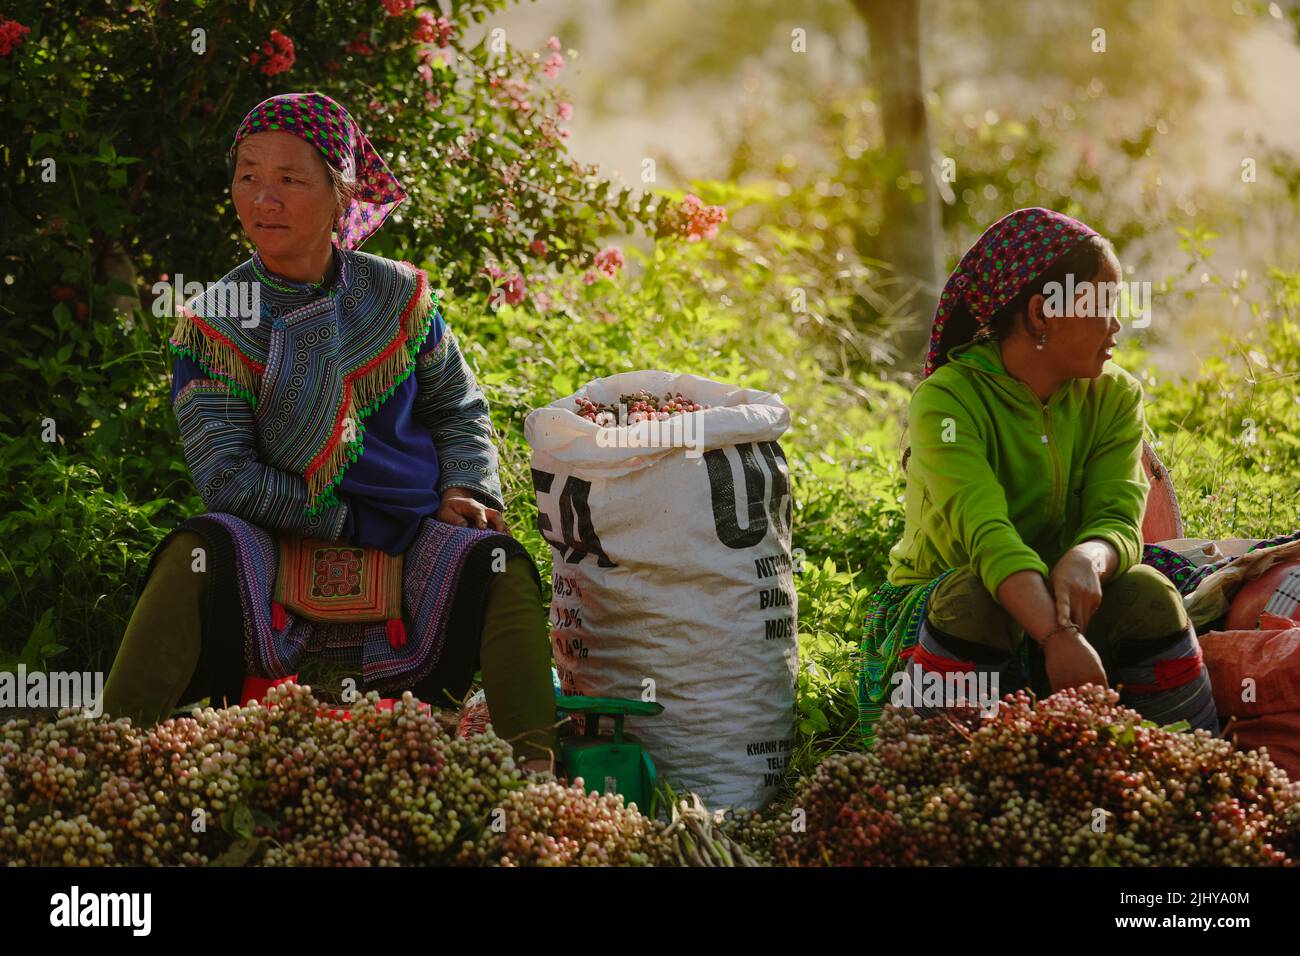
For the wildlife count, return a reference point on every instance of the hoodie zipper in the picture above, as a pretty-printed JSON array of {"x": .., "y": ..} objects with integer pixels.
[
  {"x": 1056, "y": 460},
  {"x": 1047, "y": 439}
]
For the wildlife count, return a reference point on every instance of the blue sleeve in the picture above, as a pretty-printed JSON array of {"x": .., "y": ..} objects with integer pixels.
[
  {"x": 220, "y": 441},
  {"x": 454, "y": 408},
  {"x": 184, "y": 370}
]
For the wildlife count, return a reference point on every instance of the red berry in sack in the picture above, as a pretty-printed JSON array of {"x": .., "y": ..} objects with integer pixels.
[{"x": 640, "y": 406}]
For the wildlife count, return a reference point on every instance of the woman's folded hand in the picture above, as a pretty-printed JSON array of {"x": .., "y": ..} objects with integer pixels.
[
  {"x": 1071, "y": 661},
  {"x": 1076, "y": 588},
  {"x": 460, "y": 508}
]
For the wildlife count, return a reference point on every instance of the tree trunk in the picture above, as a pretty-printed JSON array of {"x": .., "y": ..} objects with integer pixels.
[
  {"x": 116, "y": 264},
  {"x": 910, "y": 230}
]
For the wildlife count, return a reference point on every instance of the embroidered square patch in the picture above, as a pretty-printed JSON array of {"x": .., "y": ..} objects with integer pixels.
[
  {"x": 328, "y": 582},
  {"x": 336, "y": 572}
]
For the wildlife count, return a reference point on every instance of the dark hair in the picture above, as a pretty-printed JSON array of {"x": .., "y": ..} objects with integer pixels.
[
  {"x": 345, "y": 190},
  {"x": 1083, "y": 261}
]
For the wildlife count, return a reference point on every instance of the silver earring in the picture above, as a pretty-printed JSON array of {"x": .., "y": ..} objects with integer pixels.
[{"x": 1042, "y": 340}]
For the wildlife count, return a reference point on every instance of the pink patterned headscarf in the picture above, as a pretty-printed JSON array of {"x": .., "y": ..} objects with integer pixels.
[
  {"x": 325, "y": 124},
  {"x": 1005, "y": 259}
]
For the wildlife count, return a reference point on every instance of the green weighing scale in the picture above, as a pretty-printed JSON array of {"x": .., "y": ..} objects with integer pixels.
[{"x": 609, "y": 764}]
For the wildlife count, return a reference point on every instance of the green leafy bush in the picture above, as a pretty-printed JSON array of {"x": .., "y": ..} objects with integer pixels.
[
  {"x": 1231, "y": 435},
  {"x": 113, "y": 177}
]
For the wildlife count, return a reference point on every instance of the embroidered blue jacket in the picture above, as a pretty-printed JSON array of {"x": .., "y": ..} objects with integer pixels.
[{"x": 431, "y": 432}]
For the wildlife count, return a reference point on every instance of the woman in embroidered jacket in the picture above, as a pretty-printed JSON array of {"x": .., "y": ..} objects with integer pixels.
[{"x": 346, "y": 456}]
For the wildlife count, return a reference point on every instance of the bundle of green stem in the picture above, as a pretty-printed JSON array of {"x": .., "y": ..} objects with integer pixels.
[{"x": 694, "y": 837}]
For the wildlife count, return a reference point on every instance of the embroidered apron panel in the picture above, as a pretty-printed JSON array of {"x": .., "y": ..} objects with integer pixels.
[{"x": 331, "y": 581}]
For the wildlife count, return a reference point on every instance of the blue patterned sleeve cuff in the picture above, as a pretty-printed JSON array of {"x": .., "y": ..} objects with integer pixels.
[
  {"x": 452, "y": 406},
  {"x": 478, "y": 491}
]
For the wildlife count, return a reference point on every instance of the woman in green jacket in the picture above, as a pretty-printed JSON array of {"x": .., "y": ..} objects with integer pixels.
[{"x": 1025, "y": 497}]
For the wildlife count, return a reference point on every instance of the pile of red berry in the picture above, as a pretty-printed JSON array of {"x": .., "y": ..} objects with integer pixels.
[
  {"x": 1075, "y": 779},
  {"x": 641, "y": 406},
  {"x": 284, "y": 783}
]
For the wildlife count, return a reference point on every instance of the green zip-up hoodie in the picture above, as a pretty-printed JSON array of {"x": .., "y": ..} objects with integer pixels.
[{"x": 1001, "y": 483}]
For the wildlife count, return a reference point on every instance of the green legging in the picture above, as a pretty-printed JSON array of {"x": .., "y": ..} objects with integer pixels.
[
  {"x": 1138, "y": 606},
  {"x": 158, "y": 660},
  {"x": 1141, "y": 632}
]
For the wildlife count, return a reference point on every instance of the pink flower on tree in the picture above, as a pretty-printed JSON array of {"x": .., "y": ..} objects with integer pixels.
[
  {"x": 429, "y": 55},
  {"x": 554, "y": 44},
  {"x": 547, "y": 131},
  {"x": 457, "y": 152},
  {"x": 11, "y": 35},
  {"x": 589, "y": 277},
  {"x": 515, "y": 289},
  {"x": 510, "y": 174},
  {"x": 278, "y": 53},
  {"x": 542, "y": 301},
  {"x": 396, "y": 8},
  {"x": 492, "y": 271},
  {"x": 553, "y": 65},
  {"x": 698, "y": 220},
  {"x": 564, "y": 111},
  {"x": 431, "y": 29},
  {"x": 426, "y": 27},
  {"x": 515, "y": 89},
  {"x": 537, "y": 248},
  {"x": 609, "y": 261}
]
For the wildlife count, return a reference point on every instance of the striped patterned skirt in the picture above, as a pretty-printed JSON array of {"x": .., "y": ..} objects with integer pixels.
[
  {"x": 446, "y": 574},
  {"x": 893, "y": 623}
]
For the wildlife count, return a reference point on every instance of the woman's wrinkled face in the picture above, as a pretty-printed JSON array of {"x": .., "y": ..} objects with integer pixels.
[
  {"x": 283, "y": 194},
  {"x": 1081, "y": 333}
]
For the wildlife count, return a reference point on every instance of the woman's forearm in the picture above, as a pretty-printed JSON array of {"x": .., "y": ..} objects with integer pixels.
[
  {"x": 450, "y": 403},
  {"x": 1025, "y": 595},
  {"x": 220, "y": 445}
]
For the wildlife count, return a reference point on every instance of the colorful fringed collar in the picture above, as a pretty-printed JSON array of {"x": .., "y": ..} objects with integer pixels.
[
  {"x": 318, "y": 359},
  {"x": 338, "y": 277}
]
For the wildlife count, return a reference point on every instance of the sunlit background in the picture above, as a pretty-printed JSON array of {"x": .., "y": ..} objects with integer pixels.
[{"x": 1147, "y": 139}]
